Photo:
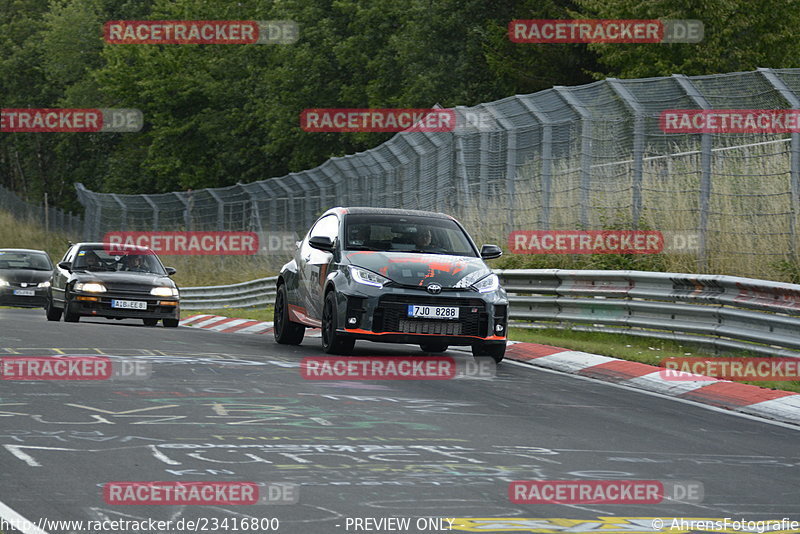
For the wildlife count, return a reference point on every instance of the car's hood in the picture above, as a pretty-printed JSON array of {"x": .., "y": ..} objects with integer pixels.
[
  {"x": 413, "y": 269},
  {"x": 119, "y": 278},
  {"x": 16, "y": 276}
]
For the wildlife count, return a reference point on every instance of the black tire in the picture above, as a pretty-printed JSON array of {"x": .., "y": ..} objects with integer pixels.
[
  {"x": 53, "y": 313},
  {"x": 171, "y": 323},
  {"x": 286, "y": 332},
  {"x": 69, "y": 316},
  {"x": 149, "y": 321},
  {"x": 433, "y": 346},
  {"x": 332, "y": 341},
  {"x": 497, "y": 351}
]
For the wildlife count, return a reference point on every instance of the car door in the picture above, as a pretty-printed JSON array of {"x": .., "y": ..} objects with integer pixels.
[
  {"x": 60, "y": 276},
  {"x": 314, "y": 265}
]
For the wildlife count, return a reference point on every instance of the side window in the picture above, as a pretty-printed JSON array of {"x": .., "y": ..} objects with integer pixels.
[
  {"x": 70, "y": 255},
  {"x": 327, "y": 226}
]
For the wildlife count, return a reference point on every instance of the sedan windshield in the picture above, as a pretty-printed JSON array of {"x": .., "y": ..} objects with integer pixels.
[
  {"x": 391, "y": 233},
  {"x": 100, "y": 259},
  {"x": 25, "y": 260}
]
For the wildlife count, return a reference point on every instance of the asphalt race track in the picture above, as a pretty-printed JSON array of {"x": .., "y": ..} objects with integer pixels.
[{"x": 228, "y": 407}]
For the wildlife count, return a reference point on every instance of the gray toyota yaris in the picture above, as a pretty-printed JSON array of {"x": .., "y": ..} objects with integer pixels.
[{"x": 394, "y": 276}]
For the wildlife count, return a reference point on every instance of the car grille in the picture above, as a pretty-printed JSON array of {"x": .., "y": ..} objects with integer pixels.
[{"x": 391, "y": 315}]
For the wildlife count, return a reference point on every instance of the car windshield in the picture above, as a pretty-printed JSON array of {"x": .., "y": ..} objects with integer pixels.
[
  {"x": 33, "y": 261},
  {"x": 102, "y": 259},
  {"x": 392, "y": 233}
]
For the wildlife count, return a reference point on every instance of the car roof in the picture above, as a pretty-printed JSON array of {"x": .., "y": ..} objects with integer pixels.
[
  {"x": 363, "y": 210},
  {"x": 100, "y": 245},
  {"x": 22, "y": 250}
]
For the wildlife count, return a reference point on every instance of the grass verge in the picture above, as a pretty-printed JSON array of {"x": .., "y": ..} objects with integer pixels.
[{"x": 631, "y": 348}]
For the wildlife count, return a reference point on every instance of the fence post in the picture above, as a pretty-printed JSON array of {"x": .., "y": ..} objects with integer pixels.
[
  {"x": 706, "y": 143},
  {"x": 156, "y": 212},
  {"x": 586, "y": 148},
  {"x": 638, "y": 146},
  {"x": 794, "y": 103},
  {"x": 510, "y": 132},
  {"x": 547, "y": 159},
  {"x": 220, "y": 209},
  {"x": 461, "y": 202},
  {"x": 123, "y": 210},
  {"x": 187, "y": 205}
]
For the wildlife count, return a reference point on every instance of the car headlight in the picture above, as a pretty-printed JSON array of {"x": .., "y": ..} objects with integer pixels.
[
  {"x": 3, "y": 283},
  {"x": 164, "y": 291},
  {"x": 363, "y": 276},
  {"x": 470, "y": 279},
  {"x": 90, "y": 287},
  {"x": 485, "y": 285},
  {"x": 46, "y": 283}
]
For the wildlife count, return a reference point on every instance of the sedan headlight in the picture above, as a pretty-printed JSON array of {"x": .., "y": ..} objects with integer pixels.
[
  {"x": 90, "y": 287},
  {"x": 164, "y": 291},
  {"x": 3, "y": 283},
  {"x": 46, "y": 283},
  {"x": 363, "y": 276},
  {"x": 485, "y": 285}
]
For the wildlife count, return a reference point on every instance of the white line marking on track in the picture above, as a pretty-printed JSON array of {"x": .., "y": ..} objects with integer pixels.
[
  {"x": 19, "y": 522},
  {"x": 654, "y": 394}
]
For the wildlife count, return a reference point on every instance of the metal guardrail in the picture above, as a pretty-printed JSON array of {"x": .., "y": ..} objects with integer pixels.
[
  {"x": 259, "y": 292},
  {"x": 726, "y": 312}
]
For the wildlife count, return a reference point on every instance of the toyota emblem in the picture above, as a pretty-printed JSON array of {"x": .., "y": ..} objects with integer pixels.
[{"x": 434, "y": 289}]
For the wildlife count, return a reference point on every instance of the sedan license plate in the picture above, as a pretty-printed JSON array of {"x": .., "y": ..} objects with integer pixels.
[
  {"x": 432, "y": 312},
  {"x": 24, "y": 292},
  {"x": 129, "y": 304}
]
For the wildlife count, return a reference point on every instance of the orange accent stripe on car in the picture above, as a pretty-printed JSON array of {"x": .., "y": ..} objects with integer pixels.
[
  {"x": 369, "y": 332},
  {"x": 299, "y": 315}
]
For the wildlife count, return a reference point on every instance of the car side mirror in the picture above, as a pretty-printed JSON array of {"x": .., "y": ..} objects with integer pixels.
[
  {"x": 66, "y": 265},
  {"x": 489, "y": 252},
  {"x": 170, "y": 270},
  {"x": 321, "y": 242}
]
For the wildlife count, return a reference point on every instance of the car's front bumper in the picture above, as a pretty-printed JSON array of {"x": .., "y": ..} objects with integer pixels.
[
  {"x": 381, "y": 314},
  {"x": 100, "y": 305},
  {"x": 37, "y": 300}
]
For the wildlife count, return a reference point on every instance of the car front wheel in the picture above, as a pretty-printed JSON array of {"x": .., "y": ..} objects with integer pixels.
[
  {"x": 433, "y": 346},
  {"x": 286, "y": 332},
  {"x": 332, "y": 341},
  {"x": 53, "y": 313},
  {"x": 496, "y": 351},
  {"x": 170, "y": 323},
  {"x": 70, "y": 316}
]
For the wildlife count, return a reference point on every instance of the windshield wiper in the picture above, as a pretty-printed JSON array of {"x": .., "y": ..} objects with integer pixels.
[
  {"x": 425, "y": 252},
  {"x": 363, "y": 247}
]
